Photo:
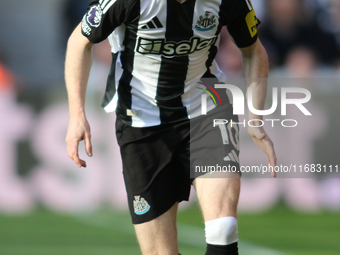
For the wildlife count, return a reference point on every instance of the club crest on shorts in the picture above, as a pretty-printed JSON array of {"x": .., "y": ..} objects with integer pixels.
[
  {"x": 140, "y": 205},
  {"x": 94, "y": 16},
  {"x": 206, "y": 23}
]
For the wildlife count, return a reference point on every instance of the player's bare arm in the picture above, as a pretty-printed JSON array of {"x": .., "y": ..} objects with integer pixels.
[
  {"x": 255, "y": 67},
  {"x": 77, "y": 69}
]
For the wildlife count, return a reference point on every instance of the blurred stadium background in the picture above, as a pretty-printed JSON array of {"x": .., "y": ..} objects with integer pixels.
[{"x": 49, "y": 206}]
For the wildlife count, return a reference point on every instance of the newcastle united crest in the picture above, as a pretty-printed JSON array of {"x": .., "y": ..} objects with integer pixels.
[
  {"x": 206, "y": 23},
  {"x": 140, "y": 205}
]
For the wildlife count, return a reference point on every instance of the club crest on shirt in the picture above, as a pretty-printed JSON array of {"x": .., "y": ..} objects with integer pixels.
[
  {"x": 94, "y": 16},
  {"x": 206, "y": 22},
  {"x": 140, "y": 205}
]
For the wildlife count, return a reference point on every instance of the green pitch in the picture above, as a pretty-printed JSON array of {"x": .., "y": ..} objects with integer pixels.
[{"x": 277, "y": 232}]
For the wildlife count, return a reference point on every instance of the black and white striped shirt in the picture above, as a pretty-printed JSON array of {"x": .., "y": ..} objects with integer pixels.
[{"x": 161, "y": 49}]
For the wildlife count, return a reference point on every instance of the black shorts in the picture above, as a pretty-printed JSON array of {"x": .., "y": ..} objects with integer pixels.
[{"x": 160, "y": 162}]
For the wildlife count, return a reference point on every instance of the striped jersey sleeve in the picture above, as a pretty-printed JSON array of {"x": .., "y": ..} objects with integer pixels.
[{"x": 103, "y": 16}]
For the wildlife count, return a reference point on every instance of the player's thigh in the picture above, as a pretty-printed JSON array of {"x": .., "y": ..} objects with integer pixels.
[
  {"x": 218, "y": 197},
  {"x": 159, "y": 236}
]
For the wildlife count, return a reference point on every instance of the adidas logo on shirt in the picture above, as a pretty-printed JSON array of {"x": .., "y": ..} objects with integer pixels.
[{"x": 154, "y": 23}]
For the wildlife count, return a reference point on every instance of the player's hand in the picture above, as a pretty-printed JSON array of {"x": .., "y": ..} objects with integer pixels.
[
  {"x": 262, "y": 140},
  {"x": 78, "y": 130}
]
